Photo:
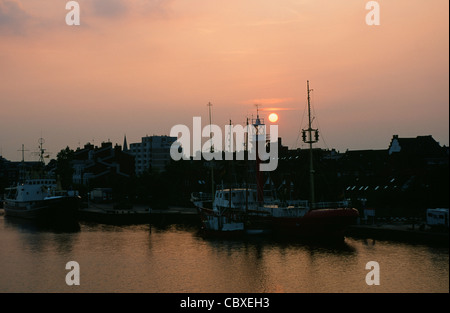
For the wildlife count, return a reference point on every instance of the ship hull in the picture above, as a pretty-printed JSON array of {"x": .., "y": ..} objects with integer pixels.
[
  {"x": 258, "y": 225},
  {"x": 220, "y": 225},
  {"x": 317, "y": 224},
  {"x": 55, "y": 209}
]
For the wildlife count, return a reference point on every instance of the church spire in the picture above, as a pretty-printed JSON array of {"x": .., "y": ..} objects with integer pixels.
[{"x": 125, "y": 145}]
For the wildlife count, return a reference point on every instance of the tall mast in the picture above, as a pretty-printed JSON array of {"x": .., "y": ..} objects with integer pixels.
[
  {"x": 310, "y": 140},
  {"x": 260, "y": 133},
  {"x": 246, "y": 168},
  {"x": 23, "y": 153},
  {"x": 212, "y": 151},
  {"x": 231, "y": 175}
]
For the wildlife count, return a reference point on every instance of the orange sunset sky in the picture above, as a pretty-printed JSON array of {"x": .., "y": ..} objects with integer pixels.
[{"x": 139, "y": 67}]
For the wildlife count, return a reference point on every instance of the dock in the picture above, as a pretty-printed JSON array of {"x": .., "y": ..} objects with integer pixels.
[
  {"x": 174, "y": 214},
  {"x": 109, "y": 214},
  {"x": 401, "y": 232}
]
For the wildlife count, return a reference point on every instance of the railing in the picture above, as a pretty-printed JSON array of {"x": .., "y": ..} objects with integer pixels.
[
  {"x": 201, "y": 196},
  {"x": 331, "y": 205},
  {"x": 236, "y": 186},
  {"x": 298, "y": 203},
  {"x": 288, "y": 211}
]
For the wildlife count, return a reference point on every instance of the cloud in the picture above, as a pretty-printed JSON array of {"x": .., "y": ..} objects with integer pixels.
[
  {"x": 120, "y": 8},
  {"x": 13, "y": 18},
  {"x": 18, "y": 17},
  {"x": 109, "y": 8},
  {"x": 159, "y": 8}
]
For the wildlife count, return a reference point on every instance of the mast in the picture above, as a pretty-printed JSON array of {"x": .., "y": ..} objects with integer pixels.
[
  {"x": 41, "y": 150},
  {"x": 246, "y": 169},
  {"x": 231, "y": 176},
  {"x": 23, "y": 153},
  {"x": 22, "y": 164},
  {"x": 310, "y": 141},
  {"x": 259, "y": 127},
  {"x": 212, "y": 151}
]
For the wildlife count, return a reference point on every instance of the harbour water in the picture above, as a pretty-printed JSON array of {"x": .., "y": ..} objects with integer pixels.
[{"x": 176, "y": 258}]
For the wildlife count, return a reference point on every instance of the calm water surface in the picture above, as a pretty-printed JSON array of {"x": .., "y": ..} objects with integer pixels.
[{"x": 177, "y": 259}]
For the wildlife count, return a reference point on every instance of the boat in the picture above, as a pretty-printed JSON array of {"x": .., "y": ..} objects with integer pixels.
[
  {"x": 330, "y": 222},
  {"x": 41, "y": 199},
  {"x": 221, "y": 223},
  {"x": 437, "y": 219},
  {"x": 233, "y": 209},
  {"x": 246, "y": 209},
  {"x": 215, "y": 217},
  {"x": 315, "y": 220}
]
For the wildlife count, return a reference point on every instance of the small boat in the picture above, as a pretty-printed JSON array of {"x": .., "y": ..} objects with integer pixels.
[
  {"x": 215, "y": 217},
  {"x": 41, "y": 199},
  {"x": 218, "y": 215},
  {"x": 232, "y": 211},
  {"x": 437, "y": 219}
]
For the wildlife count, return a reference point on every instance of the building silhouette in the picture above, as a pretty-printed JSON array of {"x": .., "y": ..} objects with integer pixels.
[
  {"x": 152, "y": 153},
  {"x": 99, "y": 165}
]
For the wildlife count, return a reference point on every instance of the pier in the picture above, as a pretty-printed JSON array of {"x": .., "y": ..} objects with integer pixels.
[
  {"x": 174, "y": 214},
  {"x": 112, "y": 214},
  {"x": 401, "y": 232}
]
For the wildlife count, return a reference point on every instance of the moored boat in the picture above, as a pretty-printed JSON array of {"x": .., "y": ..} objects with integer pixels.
[
  {"x": 217, "y": 218},
  {"x": 324, "y": 223},
  {"x": 314, "y": 220},
  {"x": 247, "y": 209},
  {"x": 40, "y": 199}
]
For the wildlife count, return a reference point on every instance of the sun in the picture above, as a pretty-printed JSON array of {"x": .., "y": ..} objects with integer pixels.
[{"x": 273, "y": 117}]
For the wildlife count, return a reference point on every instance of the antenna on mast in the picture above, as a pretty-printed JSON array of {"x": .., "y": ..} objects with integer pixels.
[
  {"x": 210, "y": 127},
  {"x": 307, "y": 135},
  {"x": 257, "y": 105},
  {"x": 41, "y": 153},
  {"x": 260, "y": 137},
  {"x": 41, "y": 149},
  {"x": 22, "y": 173}
]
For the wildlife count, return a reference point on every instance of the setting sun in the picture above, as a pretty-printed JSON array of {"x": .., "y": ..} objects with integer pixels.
[{"x": 273, "y": 117}]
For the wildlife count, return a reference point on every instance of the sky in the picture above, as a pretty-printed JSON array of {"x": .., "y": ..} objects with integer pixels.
[{"x": 140, "y": 67}]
